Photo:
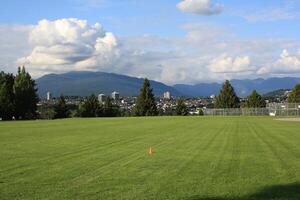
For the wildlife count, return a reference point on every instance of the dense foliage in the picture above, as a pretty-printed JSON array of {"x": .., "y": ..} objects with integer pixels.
[
  {"x": 295, "y": 95},
  {"x": 255, "y": 100},
  {"x": 7, "y": 97},
  {"x": 61, "y": 109},
  {"x": 145, "y": 105},
  {"x": 201, "y": 112},
  {"x": 46, "y": 111},
  {"x": 18, "y": 96},
  {"x": 91, "y": 107},
  {"x": 181, "y": 108},
  {"x": 109, "y": 109},
  {"x": 26, "y": 98},
  {"x": 227, "y": 97}
]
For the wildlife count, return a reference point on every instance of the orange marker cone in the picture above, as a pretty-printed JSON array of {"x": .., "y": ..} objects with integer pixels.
[{"x": 150, "y": 152}]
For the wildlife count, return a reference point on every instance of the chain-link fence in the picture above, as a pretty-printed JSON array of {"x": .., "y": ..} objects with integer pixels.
[{"x": 274, "y": 109}]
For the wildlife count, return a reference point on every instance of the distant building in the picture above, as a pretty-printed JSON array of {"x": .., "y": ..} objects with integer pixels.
[
  {"x": 102, "y": 98},
  {"x": 49, "y": 96},
  {"x": 287, "y": 93},
  {"x": 115, "y": 96},
  {"x": 167, "y": 95}
]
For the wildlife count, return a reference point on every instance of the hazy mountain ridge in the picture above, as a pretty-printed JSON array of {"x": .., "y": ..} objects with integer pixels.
[
  {"x": 242, "y": 87},
  {"x": 85, "y": 83},
  {"x": 277, "y": 93}
]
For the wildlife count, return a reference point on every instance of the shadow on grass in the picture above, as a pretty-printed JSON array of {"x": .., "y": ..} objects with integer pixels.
[{"x": 278, "y": 192}]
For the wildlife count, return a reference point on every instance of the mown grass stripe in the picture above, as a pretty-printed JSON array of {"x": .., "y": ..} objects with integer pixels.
[{"x": 195, "y": 158}]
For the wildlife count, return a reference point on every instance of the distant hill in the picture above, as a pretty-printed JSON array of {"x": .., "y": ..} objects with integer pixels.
[
  {"x": 242, "y": 87},
  {"x": 87, "y": 83},
  {"x": 202, "y": 89},
  {"x": 277, "y": 93}
]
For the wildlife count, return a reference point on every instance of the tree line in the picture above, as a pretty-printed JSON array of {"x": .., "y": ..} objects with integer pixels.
[
  {"x": 18, "y": 96},
  {"x": 90, "y": 107},
  {"x": 18, "y": 100},
  {"x": 227, "y": 98}
]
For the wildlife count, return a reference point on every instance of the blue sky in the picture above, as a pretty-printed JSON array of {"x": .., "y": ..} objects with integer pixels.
[
  {"x": 160, "y": 17},
  {"x": 151, "y": 29}
]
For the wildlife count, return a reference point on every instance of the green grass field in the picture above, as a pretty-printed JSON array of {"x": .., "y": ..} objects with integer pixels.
[{"x": 195, "y": 158}]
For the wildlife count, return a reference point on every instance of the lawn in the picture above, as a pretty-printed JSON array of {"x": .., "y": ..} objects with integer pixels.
[{"x": 194, "y": 158}]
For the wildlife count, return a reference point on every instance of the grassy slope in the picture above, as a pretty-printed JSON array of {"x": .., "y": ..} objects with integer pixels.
[{"x": 195, "y": 158}]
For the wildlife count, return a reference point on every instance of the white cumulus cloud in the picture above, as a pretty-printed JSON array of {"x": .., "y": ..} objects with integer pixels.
[
  {"x": 13, "y": 45},
  {"x": 207, "y": 52},
  {"x": 288, "y": 61},
  {"x": 227, "y": 64},
  {"x": 286, "y": 64},
  {"x": 69, "y": 44},
  {"x": 200, "y": 7}
]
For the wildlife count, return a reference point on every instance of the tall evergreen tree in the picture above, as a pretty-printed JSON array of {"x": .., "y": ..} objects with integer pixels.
[
  {"x": 61, "y": 109},
  {"x": 90, "y": 107},
  {"x": 295, "y": 95},
  {"x": 181, "y": 108},
  {"x": 227, "y": 97},
  {"x": 7, "y": 100},
  {"x": 26, "y": 98},
  {"x": 109, "y": 109},
  {"x": 145, "y": 105},
  {"x": 255, "y": 100}
]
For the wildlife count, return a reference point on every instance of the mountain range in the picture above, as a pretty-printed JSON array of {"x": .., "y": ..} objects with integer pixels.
[
  {"x": 242, "y": 87},
  {"x": 82, "y": 83}
]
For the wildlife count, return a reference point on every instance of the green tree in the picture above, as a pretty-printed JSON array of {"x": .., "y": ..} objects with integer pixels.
[
  {"x": 90, "y": 107},
  {"x": 227, "y": 97},
  {"x": 26, "y": 97},
  {"x": 295, "y": 95},
  {"x": 201, "y": 112},
  {"x": 7, "y": 100},
  {"x": 46, "y": 111},
  {"x": 109, "y": 109},
  {"x": 61, "y": 109},
  {"x": 255, "y": 100},
  {"x": 181, "y": 108},
  {"x": 145, "y": 105}
]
